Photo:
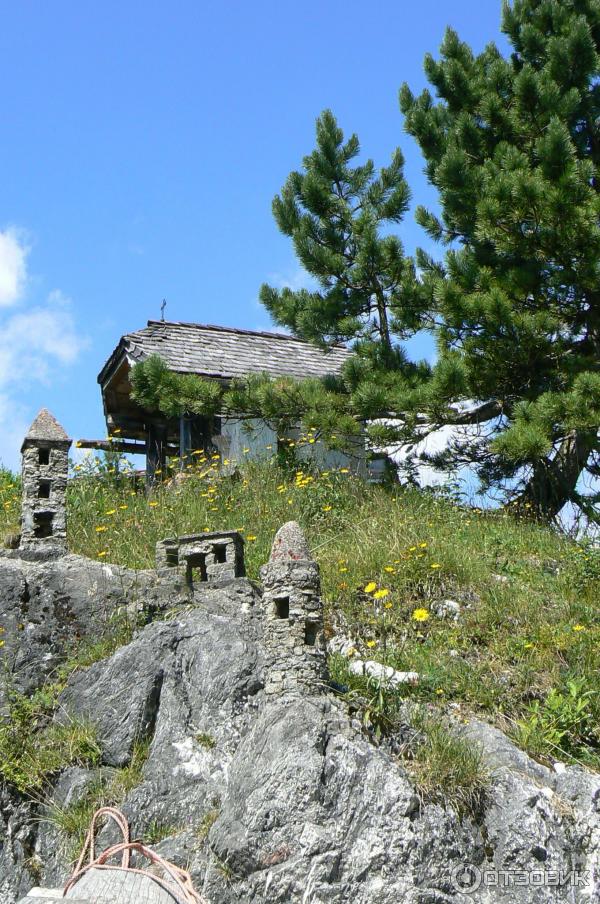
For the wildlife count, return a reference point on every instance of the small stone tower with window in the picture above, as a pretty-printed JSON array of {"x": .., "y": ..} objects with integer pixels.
[
  {"x": 45, "y": 464},
  {"x": 293, "y": 611}
]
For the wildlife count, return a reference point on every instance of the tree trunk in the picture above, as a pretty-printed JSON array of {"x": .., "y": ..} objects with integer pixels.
[
  {"x": 384, "y": 328},
  {"x": 554, "y": 482}
]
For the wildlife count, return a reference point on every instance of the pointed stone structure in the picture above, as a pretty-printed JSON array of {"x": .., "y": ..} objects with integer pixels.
[
  {"x": 293, "y": 612},
  {"x": 45, "y": 465}
]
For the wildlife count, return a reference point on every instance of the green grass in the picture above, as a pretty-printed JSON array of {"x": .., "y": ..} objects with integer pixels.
[
  {"x": 33, "y": 747},
  {"x": 208, "y": 820},
  {"x": 446, "y": 768},
  {"x": 206, "y": 740},
  {"x": 530, "y": 621},
  {"x": 109, "y": 790}
]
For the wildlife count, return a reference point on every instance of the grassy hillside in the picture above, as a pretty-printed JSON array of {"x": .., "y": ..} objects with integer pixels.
[{"x": 525, "y": 650}]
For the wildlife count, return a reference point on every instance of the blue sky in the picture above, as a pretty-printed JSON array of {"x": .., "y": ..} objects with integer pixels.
[{"x": 142, "y": 145}]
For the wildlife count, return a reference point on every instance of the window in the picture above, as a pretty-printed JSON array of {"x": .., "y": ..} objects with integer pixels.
[
  {"x": 282, "y": 607},
  {"x": 42, "y": 524},
  {"x": 196, "y": 569},
  {"x": 172, "y": 556},
  {"x": 44, "y": 489},
  {"x": 220, "y": 552},
  {"x": 310, "y": 633},
  {"x": 44, "y": 456}
]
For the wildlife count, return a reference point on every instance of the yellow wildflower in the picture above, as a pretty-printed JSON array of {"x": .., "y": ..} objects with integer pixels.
[
  {"x": 327, "y": 508},
  {"x": 435, "y": 565},
  {"x": 101, "y": 528},
  {"x": 102, "y": 554},
  {"x": 381, "y": 594},
  {"x": 111, "y": 512},
  {"x": 250, "y": 537},
  {"x": 153, "y": 503},
  {"x": 579, "y": 627},
  {"x": 371, "y": 586},
  {"x": 390, "y": 569},
  {"x": 420, "y": 615},
  {"x": 371, "y": 643}
]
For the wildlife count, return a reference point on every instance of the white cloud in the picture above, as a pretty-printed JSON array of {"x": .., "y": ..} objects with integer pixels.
[
  {"x": 295, "y": 280},
  {"x": 13, "y": 267},
  {"x": 34, "y": 342}
]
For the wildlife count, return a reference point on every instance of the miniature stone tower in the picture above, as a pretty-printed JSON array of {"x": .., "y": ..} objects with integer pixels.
[
  {"x": 293, "y": 616},
  {"x": 45, "y": 463}
]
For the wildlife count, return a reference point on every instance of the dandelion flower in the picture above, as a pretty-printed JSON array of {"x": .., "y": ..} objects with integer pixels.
[
  {"x": 327, "y": 508},
  {"x": 371, "y": 643},
  {"x": 250, "y": 537},
  {"x": 102, "y": 554},
  {"x": 420, "y": 615},
  {"x": 579, "y": 627},
  {"x": 381, "y": 594},
  {"x": 111, "y": 512},
  {"x": 390, "y": 569},
  {"x": 344, "y": 470},
  {"x": 153, "y": 504},
  {"x": 371, "y": 586},
  {"x": 435, "y": 565},
  {"x": 101, "y": 528},
  {"x": 423, "y": 545}
]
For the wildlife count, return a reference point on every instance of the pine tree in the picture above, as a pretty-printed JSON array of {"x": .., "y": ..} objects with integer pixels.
[
  {"x": 513, "y": 147},
  {"x": 336, "y": 215}
]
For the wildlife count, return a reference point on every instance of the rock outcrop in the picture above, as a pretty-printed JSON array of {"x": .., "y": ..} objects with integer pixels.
[{"x": 264, "y": 796}]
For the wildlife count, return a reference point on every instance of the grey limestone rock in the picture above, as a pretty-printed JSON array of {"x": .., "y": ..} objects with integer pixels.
[{"x": 278, "y": 797}]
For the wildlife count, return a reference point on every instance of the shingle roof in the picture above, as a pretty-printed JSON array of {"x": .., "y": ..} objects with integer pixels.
[
  {"x": 46, "y": 428},
  {"x": 224, "y": 352}
]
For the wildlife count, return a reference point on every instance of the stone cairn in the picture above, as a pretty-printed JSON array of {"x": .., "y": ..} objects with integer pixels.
[
  {"x": 293, "y": 610},
  {"x": 45, "y": 465}
]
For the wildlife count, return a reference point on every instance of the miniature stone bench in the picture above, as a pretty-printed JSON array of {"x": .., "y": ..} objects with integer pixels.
[{"x": 203, "y": 558}]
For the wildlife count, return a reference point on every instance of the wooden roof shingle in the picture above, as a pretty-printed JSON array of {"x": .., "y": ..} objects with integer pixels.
[{"x": 226, "y": 352}]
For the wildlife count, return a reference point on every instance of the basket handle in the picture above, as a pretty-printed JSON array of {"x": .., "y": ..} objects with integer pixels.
[{"x": 89, "y": 844}]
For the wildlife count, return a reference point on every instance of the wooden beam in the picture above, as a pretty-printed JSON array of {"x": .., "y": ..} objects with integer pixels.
[{"x": 120, "y": 445}]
